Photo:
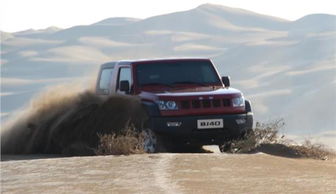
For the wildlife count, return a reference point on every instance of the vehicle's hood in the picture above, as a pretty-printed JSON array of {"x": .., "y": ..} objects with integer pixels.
[
  {"x": 190, "y": 92},
  {"x": 199, "y": 92}
]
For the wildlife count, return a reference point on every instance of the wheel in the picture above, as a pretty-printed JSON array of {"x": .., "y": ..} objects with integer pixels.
[
  {"x": 150, "y": 142},
  {"x": 157, "y": 143}
]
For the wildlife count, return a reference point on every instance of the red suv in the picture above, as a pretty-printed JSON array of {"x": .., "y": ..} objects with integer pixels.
[{"x": 186, "y": 99}]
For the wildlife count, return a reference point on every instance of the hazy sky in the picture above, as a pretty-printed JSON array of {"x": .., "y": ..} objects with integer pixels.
[{"x": 16, "y": 15}]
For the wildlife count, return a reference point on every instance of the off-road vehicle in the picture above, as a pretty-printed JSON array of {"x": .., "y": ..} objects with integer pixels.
[{"x": 187, "y": 102}]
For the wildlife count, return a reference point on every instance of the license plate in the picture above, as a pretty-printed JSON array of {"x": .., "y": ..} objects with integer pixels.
[{"x": 210, "y": 123}]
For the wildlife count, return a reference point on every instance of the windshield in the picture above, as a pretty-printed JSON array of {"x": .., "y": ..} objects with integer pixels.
[{"x": 177, "y": 72}]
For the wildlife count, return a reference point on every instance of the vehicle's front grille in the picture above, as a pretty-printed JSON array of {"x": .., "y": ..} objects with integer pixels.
[{"x": 205, "y": 103}]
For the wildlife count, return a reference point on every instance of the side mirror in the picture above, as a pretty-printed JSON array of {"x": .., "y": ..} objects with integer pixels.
[
  {"x": 124, "y": 86},
  {"x": 226, "y": 81}
]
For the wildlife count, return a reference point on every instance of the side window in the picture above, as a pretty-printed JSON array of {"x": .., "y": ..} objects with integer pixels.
[
  {"x": 125, "y": 74},
  {"x": 105, "y": 79}
]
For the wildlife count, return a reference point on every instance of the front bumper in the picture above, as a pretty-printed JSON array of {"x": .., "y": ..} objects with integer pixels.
[{"x": 187, "y": 131}]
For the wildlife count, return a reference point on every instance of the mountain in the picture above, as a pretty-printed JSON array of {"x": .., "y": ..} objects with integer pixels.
[
  {"x": 5, "y": 35},
  {"x": 28, "y": 32},
  {"x": 116, "y": 21},
  {"x": 316, "y": 23},
  {"x": 287, "y": 68}
]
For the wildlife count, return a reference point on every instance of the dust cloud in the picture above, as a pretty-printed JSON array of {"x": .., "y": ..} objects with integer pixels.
[{"x": 67, "y": 121}]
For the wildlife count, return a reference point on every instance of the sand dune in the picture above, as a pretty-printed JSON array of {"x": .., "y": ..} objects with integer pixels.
[{"x": 169, "y": 173}]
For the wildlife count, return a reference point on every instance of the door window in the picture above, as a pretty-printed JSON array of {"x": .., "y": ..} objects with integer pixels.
[
  {"x": 105, "y": 80},
  {"x": 125, "y": 74}
]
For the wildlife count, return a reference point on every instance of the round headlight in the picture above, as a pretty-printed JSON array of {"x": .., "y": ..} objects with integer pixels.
[
  {"x": 162, "y": 105},
  {"x": 171, "y": 105},
  {"x": 238, "y": 102}
]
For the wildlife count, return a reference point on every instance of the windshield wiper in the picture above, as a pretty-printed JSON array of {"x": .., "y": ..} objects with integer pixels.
[
  {"x": 190, "y": 82},
  {"x": 156, "y": 84}
]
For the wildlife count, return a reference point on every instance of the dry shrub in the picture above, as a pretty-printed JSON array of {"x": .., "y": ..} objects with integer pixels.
[
  {"x": 130, "y": 141},
  {"x": 263, "y": 133},
  {"x": 265, "y": 138},
  {"x": 313, "y": 150},
  {"x": 268, "y": 132}
]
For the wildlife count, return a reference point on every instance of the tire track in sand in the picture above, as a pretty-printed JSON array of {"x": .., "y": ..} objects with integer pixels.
[{"x": 162, "y": 176}]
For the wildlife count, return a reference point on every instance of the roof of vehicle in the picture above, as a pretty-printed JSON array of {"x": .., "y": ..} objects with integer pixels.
[{"x": 128, "y": 62}]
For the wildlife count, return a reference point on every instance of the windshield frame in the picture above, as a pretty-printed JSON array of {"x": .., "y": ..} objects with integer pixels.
[{"x": 138, "y": 87}]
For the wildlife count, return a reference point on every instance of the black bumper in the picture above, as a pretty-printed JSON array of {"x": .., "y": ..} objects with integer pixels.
[{"x": 188, "y": 131}]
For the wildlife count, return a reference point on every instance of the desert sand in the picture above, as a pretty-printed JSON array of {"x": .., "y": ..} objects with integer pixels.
[{"x": 168, "y": 173}]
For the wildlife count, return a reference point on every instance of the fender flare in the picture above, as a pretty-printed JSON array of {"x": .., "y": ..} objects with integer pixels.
[
  {"x": 151, "y": 108},
  {"x": 248, "y": 106}
]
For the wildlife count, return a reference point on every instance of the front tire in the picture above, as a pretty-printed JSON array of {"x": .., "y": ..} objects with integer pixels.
[{"x": 150, "y": 141}]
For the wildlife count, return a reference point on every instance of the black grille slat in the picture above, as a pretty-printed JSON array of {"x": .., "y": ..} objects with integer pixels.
[
  {"x": 185, "y": 104},
  {"x": 196, "y": 104},
  {"x": 206, "y": 103},
  {"x": 216, "y": 103},
  {"x": 226, "y": 102}
]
